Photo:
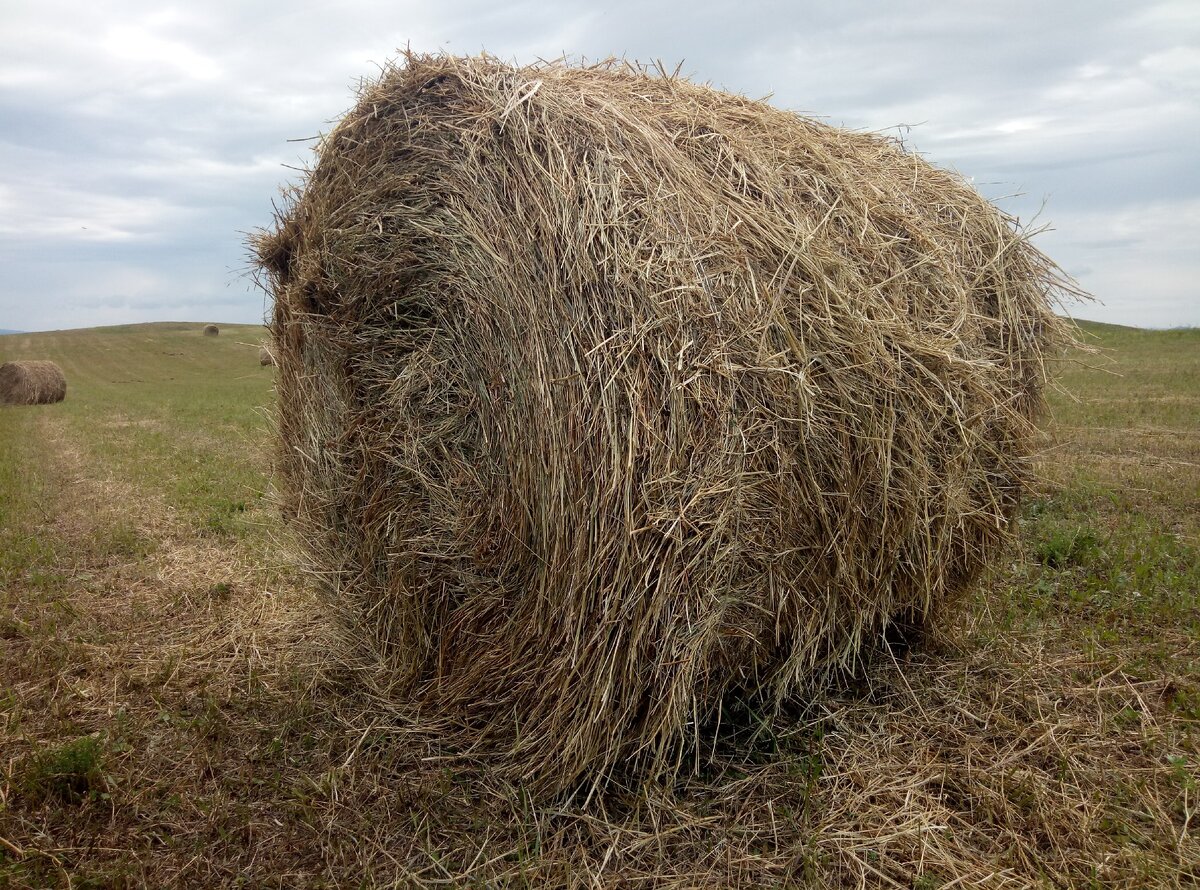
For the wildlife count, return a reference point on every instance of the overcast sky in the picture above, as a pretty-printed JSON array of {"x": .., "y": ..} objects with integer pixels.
[{"x": 140, "y": 141}]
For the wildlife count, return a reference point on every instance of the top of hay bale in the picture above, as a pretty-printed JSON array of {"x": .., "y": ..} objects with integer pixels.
[
  {"x": 604, "y": 396},
  {"x": 31, "y": 383},
  {"x": 211, "y": 330}
]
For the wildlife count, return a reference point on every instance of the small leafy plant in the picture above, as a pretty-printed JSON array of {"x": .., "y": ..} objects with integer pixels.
[{"x": 70, "y": 771}]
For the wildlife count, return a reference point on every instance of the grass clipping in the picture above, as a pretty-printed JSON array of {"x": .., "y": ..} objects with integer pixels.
[
  {"x": 31, "y": 383},
  {"x": 604, "y": 396}
]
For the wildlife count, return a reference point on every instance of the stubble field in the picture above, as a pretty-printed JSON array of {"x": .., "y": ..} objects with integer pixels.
[{"x": 173, "y": 711}]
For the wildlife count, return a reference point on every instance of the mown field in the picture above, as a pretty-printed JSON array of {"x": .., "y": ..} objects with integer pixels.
[{"x": 173, "y": 711}]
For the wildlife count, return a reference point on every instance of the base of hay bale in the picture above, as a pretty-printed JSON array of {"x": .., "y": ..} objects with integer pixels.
[
  {"x": 211, "y": 330},
  {"x": 605, "y": 396},
  {"x": 31, "y": 383}
]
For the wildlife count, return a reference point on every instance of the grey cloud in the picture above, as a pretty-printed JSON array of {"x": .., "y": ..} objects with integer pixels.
[{"x": 168, "y": 124}]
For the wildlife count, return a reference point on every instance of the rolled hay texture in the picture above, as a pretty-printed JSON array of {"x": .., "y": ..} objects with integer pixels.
[
  {"x": 265, "y": 357},
  {"x": 211, "y": 330},
  {"x": 31, "y": 383},
  {"x": 605, "y": 396}
]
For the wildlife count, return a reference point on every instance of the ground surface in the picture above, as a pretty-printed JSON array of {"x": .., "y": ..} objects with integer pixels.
[{"x": 170, "y": 713}]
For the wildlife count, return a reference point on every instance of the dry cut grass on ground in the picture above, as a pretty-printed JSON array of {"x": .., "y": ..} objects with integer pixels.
[{"x": 172, "y": 712}]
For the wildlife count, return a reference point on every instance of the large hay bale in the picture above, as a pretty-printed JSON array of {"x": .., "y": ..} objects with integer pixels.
[
  {"x": 31, "y": 383},
  {"x": 264, "y": 356},
  {"x": 605, "y": 395},
  {"x": 211, "y": 330}
]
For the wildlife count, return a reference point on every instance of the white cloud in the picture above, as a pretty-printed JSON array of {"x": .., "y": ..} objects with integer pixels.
[
  {"x": 135, "y": 44},
  {"x": 1137, "y": 260},
  {"x": 173, "y": 163},
  {"x": 1175, "y": 68},
  {"x": 32, "y": 211},
  {"x": 1022, "y": 125}
]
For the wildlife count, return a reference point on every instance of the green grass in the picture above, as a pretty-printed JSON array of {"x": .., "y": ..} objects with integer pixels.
[
  {"x": 22, "y": 504},
  {"x": 168, "y": 409},
  {"x": 69, "y": 771},
  {"x": 1139, "y": 379},
  {"x": 1127, "y": 422}
]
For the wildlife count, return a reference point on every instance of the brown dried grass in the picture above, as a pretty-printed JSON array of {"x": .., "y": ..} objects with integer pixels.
[
  {"x": 31, "y": 383},
  {"x": 605, "y": 397}
]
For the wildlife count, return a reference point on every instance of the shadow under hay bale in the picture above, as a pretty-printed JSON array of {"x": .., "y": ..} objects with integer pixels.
[
  {"x": 211, "y": 330},
  {"x": 604, "y": 396},
  {"x": 31, "y": 383},
  {"x": 265, "y": 357}
]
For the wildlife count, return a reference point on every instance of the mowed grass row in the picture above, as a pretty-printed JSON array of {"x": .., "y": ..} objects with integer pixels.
[
  {"x": 157, "y": 729},
  {"x": 121, "y": 511}
]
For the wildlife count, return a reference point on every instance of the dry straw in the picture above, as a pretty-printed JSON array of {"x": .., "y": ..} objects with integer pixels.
[
  {"x": 31, "y": 383},
  {"x": 605, "y": 396},
  {"x": 211, "y": 330}
]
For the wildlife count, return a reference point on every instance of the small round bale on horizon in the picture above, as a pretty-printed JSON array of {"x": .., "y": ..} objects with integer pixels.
[
  {"x": 31, "y": 383},
  {"x": 607, "y": 400},
  {"x": 264, "y": 356},
  {"x": 211, "y": 330}
]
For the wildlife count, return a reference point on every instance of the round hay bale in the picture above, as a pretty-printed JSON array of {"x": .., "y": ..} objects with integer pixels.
[
  {"x": 211, "y": 330},
  {"x": 31, "y": 383},
  {"x": 265, "y": 357},
  {"x": 606, "y": 396}
]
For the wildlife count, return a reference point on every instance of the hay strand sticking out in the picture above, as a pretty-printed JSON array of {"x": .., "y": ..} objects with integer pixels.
[
  {"x": 211, "y": 330},
  {"x": 604, "y": 396},
  {"x": 31, "y": 383}
]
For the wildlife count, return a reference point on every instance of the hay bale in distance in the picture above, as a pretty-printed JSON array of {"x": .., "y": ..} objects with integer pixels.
[
  {"x": 264, "y": 356},
  {"x": 31, "y": 383},
  {"x": 604, "y": 396},
  {"x": 211, "y": 330}
]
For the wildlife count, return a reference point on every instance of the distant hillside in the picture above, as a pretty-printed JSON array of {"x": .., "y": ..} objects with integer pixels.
[
  {"x": 1101, "y": 328},
  {"x": 146, "y": 327}
]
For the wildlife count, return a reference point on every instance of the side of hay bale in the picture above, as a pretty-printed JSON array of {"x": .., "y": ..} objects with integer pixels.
[
  {"x": 606, "y": 396},
  {"x": 211, "y": 330},
  {"x": 31, "y": 383},
  {"x": 264, "y": 356}
]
